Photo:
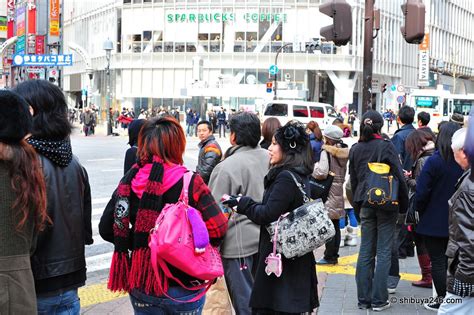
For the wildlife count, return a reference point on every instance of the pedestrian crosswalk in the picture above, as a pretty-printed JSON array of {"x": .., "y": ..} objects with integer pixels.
[{"x": 99, "y": 254}]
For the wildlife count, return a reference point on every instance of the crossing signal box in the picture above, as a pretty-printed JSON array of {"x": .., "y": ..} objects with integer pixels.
[
  {"x": 269, "y": 87},
  {"x": 414, "y": 28},
  {"x": 340, "y": 32}
]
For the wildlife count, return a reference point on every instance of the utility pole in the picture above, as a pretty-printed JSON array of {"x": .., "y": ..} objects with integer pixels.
[{"x": 368, "y": 56}]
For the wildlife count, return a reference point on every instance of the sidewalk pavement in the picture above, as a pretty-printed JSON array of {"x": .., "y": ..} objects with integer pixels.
[{"x": 337, "y": 290}]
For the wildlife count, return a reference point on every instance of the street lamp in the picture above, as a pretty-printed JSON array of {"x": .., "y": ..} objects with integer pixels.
[
  {"x": 275, "y": 86},
  {"x": 108, "y": 47}
]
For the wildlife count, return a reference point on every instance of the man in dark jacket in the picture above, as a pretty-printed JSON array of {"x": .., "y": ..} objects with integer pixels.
[
  {"x": 221, "y": 121},
  {"x": 58, "y": 263},
  {"x": 460, "y": 251},
  {"x": 210, "y": 152},
  {"x": 405, "y": 118}
]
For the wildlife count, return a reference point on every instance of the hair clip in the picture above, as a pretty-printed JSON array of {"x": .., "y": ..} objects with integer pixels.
[
  {"x": 293, "y": 145},
  {"x": 368, "y": 121}
]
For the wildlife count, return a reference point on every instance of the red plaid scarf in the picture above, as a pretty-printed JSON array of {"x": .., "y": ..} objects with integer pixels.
[{"x": 127, "y": 271}]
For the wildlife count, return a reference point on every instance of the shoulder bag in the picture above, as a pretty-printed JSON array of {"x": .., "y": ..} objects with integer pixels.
[{"x": 302, "y": 230}]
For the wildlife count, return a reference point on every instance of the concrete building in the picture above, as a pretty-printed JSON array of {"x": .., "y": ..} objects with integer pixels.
[{"x": 177, "y": 53}]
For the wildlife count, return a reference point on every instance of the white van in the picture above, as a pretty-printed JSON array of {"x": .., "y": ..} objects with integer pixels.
[{"x": 286, "y": 110}]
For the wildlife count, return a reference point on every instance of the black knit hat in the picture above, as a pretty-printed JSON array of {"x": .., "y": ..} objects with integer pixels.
[
  {"x": 133, "y": 131},
  {"x": 15, "y": 117},
  {"x": 292, "y": 137}
]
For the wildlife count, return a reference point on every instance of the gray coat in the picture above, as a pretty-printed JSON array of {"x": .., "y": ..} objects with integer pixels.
[
  {"x": 338, "y": 157},
  {"x": 241, "y": 172}
]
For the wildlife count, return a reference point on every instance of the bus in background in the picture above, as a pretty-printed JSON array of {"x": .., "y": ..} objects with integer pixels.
[{"x": 440, "y": 104}]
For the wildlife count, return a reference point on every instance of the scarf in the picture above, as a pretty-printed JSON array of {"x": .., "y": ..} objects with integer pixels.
[
  {"x": 134, "y": 270},
  {"x": 58, "y": 152}
]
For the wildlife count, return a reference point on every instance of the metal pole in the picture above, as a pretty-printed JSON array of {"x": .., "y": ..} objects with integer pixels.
[
  {"x": 275, "y": 84},
  {"x": 107, "y": 71},
  {"x": 368, "y": 56}
]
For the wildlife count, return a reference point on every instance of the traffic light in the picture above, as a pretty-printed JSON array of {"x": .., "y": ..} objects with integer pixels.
[
  {"x": 414, "y": 29},
  {"x": 384, "y": 87},
  {"x": 269, "y": 87},
  {"x": 340, "y": 32}
]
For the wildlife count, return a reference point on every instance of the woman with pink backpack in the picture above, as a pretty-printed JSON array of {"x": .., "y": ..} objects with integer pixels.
[{"x": 157, "y": 182}]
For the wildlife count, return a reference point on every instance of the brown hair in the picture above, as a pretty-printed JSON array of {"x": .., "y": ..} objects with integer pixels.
[
  {"x": 314, "y": 127},
  {"x": 27, "y": 182},
  {"x": 416, "y": 141},
  {"x": 270, "y": 125},
  {"x": 162, "y": 137}
]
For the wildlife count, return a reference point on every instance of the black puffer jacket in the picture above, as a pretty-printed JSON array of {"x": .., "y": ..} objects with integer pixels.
[
  {"x": 210, "y": 155},
  {"x": 460, "y": 250},
  {"x": 59, "y": 262}
]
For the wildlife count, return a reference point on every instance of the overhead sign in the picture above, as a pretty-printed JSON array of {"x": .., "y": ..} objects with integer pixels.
[
  {"x": 42, "y": 60},
  {"x": 20, "y": 21},
  {"x": 273, "y": 70},
  {"x": 190, "y": 16}
]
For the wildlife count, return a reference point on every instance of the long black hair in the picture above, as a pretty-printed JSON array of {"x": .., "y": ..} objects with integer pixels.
[
  {"x": 371, "y": 124},
  {"x": 50, "y": 119},
  {"x": 443, "y": 141}
]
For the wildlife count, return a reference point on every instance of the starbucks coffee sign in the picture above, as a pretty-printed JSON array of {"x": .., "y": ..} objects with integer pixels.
[{"x": 218, "y": 17}]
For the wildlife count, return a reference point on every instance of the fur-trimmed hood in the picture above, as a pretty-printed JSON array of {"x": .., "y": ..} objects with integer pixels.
[{"x": 337, "y": 151}]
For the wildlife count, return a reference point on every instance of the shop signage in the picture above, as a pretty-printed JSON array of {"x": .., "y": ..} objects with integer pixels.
[
  {"x": 11, "y": 10},
  {"x": 424, "y": 62},
  {"x": 3, "y": 24},
  {"x": 42, "y": 60},
  {"x": 53, "y": 17},
  {"x": 20, "y": 45},
  {"x": 20, "y": 21},
  {"x": 39, "y": 45},
  {"x": 219, "y": 16}
]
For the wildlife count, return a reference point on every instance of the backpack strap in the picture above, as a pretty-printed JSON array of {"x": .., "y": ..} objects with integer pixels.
[{"x": 184, "y": 197}]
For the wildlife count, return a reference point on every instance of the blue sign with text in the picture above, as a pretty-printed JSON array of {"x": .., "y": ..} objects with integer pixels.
[{"x": 42, "y": 60}]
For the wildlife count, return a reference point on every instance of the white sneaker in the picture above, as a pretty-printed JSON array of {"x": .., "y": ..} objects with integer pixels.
[
  {"x": 351, "y": 238},
  {"x": 381, "y": 307},
  {"x": 391, "y": 291}
]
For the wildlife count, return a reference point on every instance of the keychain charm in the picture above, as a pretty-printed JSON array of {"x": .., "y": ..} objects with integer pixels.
[{"x": 274, "y": 265}]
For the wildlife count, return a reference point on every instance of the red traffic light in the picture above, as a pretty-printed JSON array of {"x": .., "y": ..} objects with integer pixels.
[
  {"x": 340, "y": 32},
  {"x": 414, "y": 28},
  {"x": 269, "y": 85}
]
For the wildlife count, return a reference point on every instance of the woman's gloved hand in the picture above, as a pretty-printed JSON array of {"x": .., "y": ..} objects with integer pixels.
[{"x": 231, "y": 201}]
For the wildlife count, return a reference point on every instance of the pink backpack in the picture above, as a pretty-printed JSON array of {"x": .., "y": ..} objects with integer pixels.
[{"x": 171, "y": 241}]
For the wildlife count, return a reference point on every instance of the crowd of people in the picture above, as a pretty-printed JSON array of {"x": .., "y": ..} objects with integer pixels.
[{"x": 266, "y": 173}]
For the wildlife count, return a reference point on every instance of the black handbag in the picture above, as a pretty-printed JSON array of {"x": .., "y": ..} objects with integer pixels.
[
  {"x": 320, "y": 187},
  {"x": 412, "y": 217},
  {"x": 382, "y": 186}
]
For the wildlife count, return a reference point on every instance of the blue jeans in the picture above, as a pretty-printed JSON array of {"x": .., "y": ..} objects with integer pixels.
[
  {"x": 377, "y": 232},
  {"x": 146, "y": 304},
  {"x": 352, "y": 219},
  {"x": 66, "y": 303}
]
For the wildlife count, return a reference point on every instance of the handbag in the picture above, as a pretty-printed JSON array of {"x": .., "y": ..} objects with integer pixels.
[
  {"x": 320, "y": 187},
  {"x": 304, "y": 229},
  {"x": 412, "y": 217},
  {"x": 171, "y": 242},
  {"x": 382, "y": 186}
]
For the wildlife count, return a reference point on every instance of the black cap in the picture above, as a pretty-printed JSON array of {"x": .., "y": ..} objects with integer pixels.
[{"x": 15, "y": 117}]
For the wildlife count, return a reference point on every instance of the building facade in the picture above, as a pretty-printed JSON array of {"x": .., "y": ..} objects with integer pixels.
[{"x": 177, "y": 53}]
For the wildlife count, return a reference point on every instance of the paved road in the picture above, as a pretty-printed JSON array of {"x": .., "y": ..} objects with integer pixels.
[{"x": 103, "y": 158}]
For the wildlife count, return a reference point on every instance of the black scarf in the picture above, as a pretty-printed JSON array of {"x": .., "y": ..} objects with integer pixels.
[{"x": 58, "y": 152}]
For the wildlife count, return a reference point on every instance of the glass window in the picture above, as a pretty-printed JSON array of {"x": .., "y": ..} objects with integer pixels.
[
  {"x": 316, "y": 112},
  {"x": 276, "y": 110},
  {"x": 127, "y": 1},
  {"x": 300, "y": 111},
  {"x": 331, "y": 111},
  {"x": 462, "y": 107}
]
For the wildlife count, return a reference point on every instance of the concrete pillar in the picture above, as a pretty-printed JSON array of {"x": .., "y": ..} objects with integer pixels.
[{"x": 344, "y": 83}]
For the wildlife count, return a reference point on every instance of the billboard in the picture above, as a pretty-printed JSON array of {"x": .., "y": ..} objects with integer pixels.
[{"x": 53, "y": 17}]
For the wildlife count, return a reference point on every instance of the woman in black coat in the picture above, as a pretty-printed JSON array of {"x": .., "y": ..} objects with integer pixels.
[{"x": 295, "y": 291}]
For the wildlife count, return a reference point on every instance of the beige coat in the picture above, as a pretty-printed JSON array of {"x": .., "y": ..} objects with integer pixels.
[{"x": 339, "y": 157}]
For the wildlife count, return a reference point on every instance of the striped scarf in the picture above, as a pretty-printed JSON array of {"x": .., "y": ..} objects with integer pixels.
[{"x": 134, "y": 271}]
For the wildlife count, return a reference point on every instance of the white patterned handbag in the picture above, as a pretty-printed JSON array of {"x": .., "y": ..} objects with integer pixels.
[{"x": 304, "y": 229}]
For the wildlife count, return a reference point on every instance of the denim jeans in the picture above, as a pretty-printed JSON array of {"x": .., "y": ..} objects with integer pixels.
[
  {"x": 239, "y": 281},
  {"x": 439, "y": 262},
  {"x": 146, "y": 304},
  {"x": 394, "y": 273},
  {"x": 66, "y": 303},
  {"x": 377, "y": 232},
  {"x": 190, "y": 130}
]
